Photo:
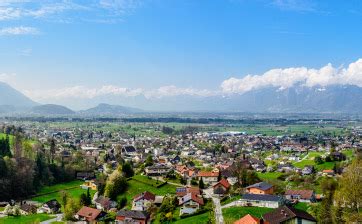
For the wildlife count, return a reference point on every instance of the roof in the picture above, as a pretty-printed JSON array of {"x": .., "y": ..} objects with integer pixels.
[
  {"x": 261, "y": 185},
  {"x": 207, "y": 174},
  {"x": 145, "y": 195},
  {"x": 104, "y": 201},
  {"x": 193, "y": 197},
  {"x": 133, "y": 214},
  {"x": 261, "y": 197},
  {"x": 285, "y": 213},
  {"x": 247, "y": 219},
  {"x": 224, "y": 183},
  {"x": 304, "y": 194},
  {"x": 129, "y": 148},
  {"x": 90, "y": 214},
  {"x": 182, "y": 191},
  {"x": 53, "y": 204}
]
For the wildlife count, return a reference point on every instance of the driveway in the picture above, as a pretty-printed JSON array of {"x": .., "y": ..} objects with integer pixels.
[{"x": 58, "y": 217}]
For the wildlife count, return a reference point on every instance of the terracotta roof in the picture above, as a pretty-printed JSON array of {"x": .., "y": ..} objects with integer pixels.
[
  {"x": 207, "y": 174},
  {"x": 90, "y": 214},
  {"x": 286, "y": 213},
  {"x": 224, "y": 183},
  {"x": 304, "y": 194},
  {"x": 328, "y": 171},
  {"x": 182, "y": 191},
  {"x": 248, "y": 219},
  {"x": 145, "y": 195}
]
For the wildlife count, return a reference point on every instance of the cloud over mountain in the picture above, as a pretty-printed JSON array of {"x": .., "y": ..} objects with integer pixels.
[{"x": 288, "y": 77}]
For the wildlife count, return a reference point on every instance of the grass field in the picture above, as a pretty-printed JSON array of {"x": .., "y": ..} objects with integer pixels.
[
  {"x": 30, "y": 219},
  {"x": 55, "y": 191},
  {"x": 197, "y": 219},
  {"x": 269, "y": 176},
  {"x": 135, "y": 187},
  {"x": 302, "y": 206},
  {"x": 235, "y": 213}
]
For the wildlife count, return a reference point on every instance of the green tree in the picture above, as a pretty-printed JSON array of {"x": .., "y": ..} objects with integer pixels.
[
  {"x": 127, "y": 170},
  {"x": 115, "y": 185},
  {"x": 201, "y": 184},
  {"x": 71, "y": 208}
]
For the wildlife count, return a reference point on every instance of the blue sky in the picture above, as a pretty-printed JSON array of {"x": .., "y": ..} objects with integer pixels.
[{"x": 50, "y": 49}]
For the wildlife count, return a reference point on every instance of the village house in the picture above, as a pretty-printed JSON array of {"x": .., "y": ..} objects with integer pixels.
[
  {"x": 286, "y": 214},
  {"x": 131, "y": 216},
  {"x": 157, "y": 170},
  {"x": 143, "y": 201},
  {"x": 260, "y": 188},
  {"x": 89, "y": 214},
  {"x": 261, "y": 200},
  {"x": 190, "y": 203},
  {"x": 50, "y": 207},
  {"x": 182, "y": 191},
  {"x": 91, "y": 184},
  {"x": 103, "y": 203},
  {"x": 221, "y": 187},
  {"x": 208, "y": 177},
  {"x": 27, "y": 209},
  {"x": 300, "y": 195}
]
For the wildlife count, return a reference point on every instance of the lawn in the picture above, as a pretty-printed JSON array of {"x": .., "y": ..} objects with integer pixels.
[
  {"x": 325, "y": 166},
  {"x": 36, "y": 218},
  {"x": 235, "y": 213},
  {"x": 197, "y": 219},
  {"x": 269, "y": 175},
  {"x": 136, "y": 187},
  {"x": 302, "y": 206},
  {"x": 54, "y": 192},
  {"x": 309, "y": 160},
  {"x": 147, "y": 180}
]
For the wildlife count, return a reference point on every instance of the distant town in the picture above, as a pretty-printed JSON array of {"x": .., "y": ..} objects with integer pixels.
[{"x": 167, "y": 170}]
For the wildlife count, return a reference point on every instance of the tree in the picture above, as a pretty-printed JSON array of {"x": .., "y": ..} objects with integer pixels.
[
  {"x": 122, "y": 202},
  {"x": 71, "y": 208},
  {"x": 318, "y": 160},
  {"x": 127, "y": 170},
  {"x": 349, "y": 193},
  {"x": 115, "y": 185},
  {"x": 149, "y": 161},
  {"x": 52, "y": 149},
  {"x": 83, "y": 200},
  {"x": 201, "y": 184}
]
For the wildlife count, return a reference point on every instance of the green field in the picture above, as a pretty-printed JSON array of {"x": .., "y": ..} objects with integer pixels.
[
  {"x": 302, "y": 206},
  {"x": 231, "y": 199},
  {"x": 36, "y": 218},
  {"x": 136, "y": 187},
  {"x": 54, "y": 191},
  {"x": 235, "y": 213},
  {"x": 269, "y": 175},
  {"x": 197, "y": 219}
]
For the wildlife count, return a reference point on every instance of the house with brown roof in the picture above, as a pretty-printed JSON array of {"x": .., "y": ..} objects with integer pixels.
[
  {"x": 300, "y": 195},
  {"x": 132, "y": 216},
  {"x": 182, "y": 191},
  {"x": 89, "y": 214},
  {"x": 260, "y": 188},
  {"x": 248, "y": 219},
  {"x": 208, "y": 177},
  {"x": 143, "y": 201},
  {"x": 287, "y": 214},
  {"x": 104, "y": 203},
  {"x": 221, "y": 187},
  {"x": 190, "y": 203}
]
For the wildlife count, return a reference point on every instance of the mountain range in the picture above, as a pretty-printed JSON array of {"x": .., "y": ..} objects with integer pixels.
[{"x": 297, "y": 99}]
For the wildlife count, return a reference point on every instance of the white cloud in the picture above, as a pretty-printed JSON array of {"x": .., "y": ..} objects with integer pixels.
[
  {"x": 7, "y": 78},
  {"x": 56, "y": 10},
  {"x": 167, "y": 91},
  {"x": 295, "y": 5},
  {"x": 19, "y": 30},
  {"x": 82, "y": 92},
  {"x": 288, "y": 77}
]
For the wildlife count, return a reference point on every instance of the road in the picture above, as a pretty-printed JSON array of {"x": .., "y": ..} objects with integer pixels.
[{"x": 219, "y": 218}]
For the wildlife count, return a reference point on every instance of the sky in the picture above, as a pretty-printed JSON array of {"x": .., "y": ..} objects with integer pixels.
[{"x": 69, "y": 50}]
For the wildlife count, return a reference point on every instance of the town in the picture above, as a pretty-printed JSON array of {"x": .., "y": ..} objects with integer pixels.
[{"x": 154, "y": 172}]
